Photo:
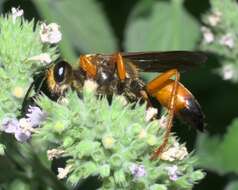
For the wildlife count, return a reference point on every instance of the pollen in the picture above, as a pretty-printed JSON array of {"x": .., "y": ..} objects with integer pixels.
[
  {"x": 18, "y": 92},
  {"x": 142, "y": 134},
  {"x": 108, "y": 142}
]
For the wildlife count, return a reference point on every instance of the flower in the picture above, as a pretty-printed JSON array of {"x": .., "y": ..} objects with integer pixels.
[
  {"x": 228, "y": 72},
  {"x": 137, "y": 170},
  {"x": 16, "y": 12},
  {"x": 208, "y": 36},
  {"x": 18, "y": 92},
  {"x": 214, "y": 18},
  {"x": 10, "y": 125},
  {"x": 25, "y": 123},
  {"x": 173, "y": 172},
  {"x": 42, "y": 58},
  {"x": 22, "y": 128},
  {"x": 227, "y": 40},
  {"x": 36, "y": 116},
  {"x": 54, "y": 153},
  {"x": 50, "y": 33},
  {"x": 108, "y": 141},
  {"x": 150, "y": 113},
  {"x": 63, "y": 172},
  {"x": 22, "y": 135},
  {"x": 175, "y": 152}
]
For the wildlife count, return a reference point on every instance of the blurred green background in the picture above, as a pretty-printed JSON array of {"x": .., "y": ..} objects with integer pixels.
[{"x": 106, "y": 26}]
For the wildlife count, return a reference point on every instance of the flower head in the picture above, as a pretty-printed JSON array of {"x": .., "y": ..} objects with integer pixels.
[
  {"x": 50, "y": 33},
  {"x": 227, "y": 40},
  {"x": 208, "y": 36},
  {"x": 63, "y": 172},
  {"x": 137, "y": 170},
  {"x": 175, "y": 152},
  {"x": 10, "y": 125},
  {"x": 22, "y": 135},
  {"x": 150, "y": 113},
  {"x": 173, "y": 172},
  {"x": 214, "y": 18},
  {"x": 25, "y": 123},
  {"x": 54, "y": 153},
  {"x": 108, "y": 141},
  {"x": 18, "y": 92},
  {"x": 228, "y": 72},
  {"x": 36, "y": 116},
  {"x": 16, "y": 12}
]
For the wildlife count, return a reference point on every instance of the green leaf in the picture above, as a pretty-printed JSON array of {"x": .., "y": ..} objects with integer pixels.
[
  {"x": 232, "y": 185},
  {"x": 161, "y": 26},
  {"x": 220, "y": 155},
  {"x": 82, "y": 22},
  {"x": 19, "y": 185}
]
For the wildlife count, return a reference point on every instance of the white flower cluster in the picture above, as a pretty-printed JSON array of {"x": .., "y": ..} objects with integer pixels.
[
  {"x": 49, "y": 34},
  {"x": 227, "y": 40},
  {"x": 54, "y": 153},
  {"x": 63, "y": 172},
  {"x": 229, "y": 72},
  {"x": 176, "y": 152},
  {"x": 16, "y": 12},
  {"x": 150, "y": 113}
]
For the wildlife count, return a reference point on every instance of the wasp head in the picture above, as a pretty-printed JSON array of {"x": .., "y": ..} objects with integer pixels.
[{"x": 58, "y": 79}]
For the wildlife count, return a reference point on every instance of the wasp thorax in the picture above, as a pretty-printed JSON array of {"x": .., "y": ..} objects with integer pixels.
[{"x": 104, "y": 77}]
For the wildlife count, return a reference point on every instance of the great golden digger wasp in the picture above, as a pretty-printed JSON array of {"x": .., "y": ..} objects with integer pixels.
[{"x": 119, "y": 74}]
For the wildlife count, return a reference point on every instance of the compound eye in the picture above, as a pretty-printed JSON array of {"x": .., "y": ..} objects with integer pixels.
[{"x": 60, "y": 70}]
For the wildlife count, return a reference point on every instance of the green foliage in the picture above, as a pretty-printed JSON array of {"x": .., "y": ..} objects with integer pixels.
[
  {"x": 107, "y": 140},
  {"x": 161, "y": 26},
  {"x": 83, "y": 23},
  {"x": 19, "y": 41},
  {"x": 220, "y": 37},
  {"x": 232, "y": 185},
  {"x": 220, "y": 155}
]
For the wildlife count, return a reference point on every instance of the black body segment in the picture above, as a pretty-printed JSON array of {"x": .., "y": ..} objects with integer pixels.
[{"x": 192, "y": 114}]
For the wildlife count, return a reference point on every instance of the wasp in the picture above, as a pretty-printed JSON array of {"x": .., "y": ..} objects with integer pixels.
[{"x": 119, "y": 73}]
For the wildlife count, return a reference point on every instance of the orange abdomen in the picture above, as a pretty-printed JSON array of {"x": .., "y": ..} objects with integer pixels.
[
  {"x": 164, "y": 95},
  {"x": 187, "y": 107}
]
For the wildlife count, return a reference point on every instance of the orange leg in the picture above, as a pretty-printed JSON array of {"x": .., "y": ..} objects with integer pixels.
[
  {"x": 87, "y": 66},
  {"x": 154, "y": 86},
  {"x": 121, "y": 68}
]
